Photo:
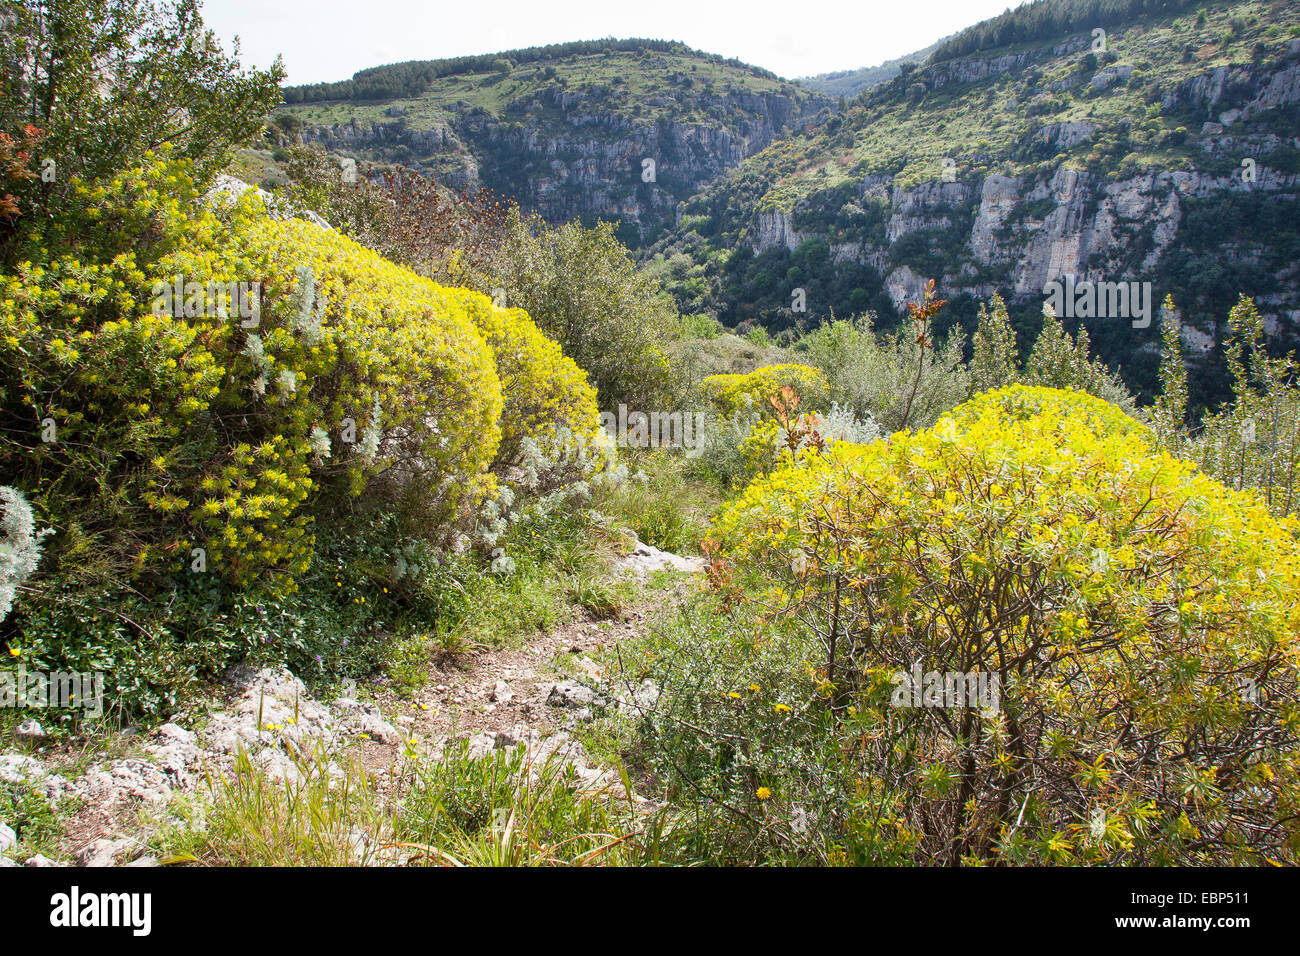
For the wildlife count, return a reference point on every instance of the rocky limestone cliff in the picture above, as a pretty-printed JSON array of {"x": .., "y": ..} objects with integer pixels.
[
  {"x": 1014, "y": 233},
  {"x": 586, "y": 158}
]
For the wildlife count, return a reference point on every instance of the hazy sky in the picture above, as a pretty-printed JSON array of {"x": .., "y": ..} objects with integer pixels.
[{"x": 332, "y": 39}]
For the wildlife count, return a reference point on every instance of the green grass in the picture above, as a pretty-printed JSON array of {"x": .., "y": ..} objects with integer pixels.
[
  {"x": 250, "y": 819},
  {"x": 38, "y": 826},
  {"x": 665, "y": 509},
  {"x": 499, "y": 810}
]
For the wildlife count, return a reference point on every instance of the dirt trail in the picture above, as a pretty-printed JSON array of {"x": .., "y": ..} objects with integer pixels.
[
  {"x": 497, "y": 690},
  {"x": 496, "y": 698}
]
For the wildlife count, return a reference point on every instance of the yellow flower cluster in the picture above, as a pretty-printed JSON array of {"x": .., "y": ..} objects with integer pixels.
[
  {"x": 543, "y": 389},
  {"x": 349, "y": 375},
  {"x": 729, "y": 393},
  {"x": 1040, "y": 535}
]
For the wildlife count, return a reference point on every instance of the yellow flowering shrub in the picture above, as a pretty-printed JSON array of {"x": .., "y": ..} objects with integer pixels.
[
  {"x": 729, "y": 393},
  {"x": 396, "y": 357},
  {"x": 200, "y": 427},
  {"x": 543, "y": 389},
  {"x": 1141, "y": 623}
]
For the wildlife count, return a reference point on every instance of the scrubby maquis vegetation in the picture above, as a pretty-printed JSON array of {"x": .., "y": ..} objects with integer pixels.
[
  {"x": 1048, "y": 20},
  {"x": 1138, "y": 617},
  {"x": 545, "y": 392},
  {"x": 191, "y": 390},
  {"x": 973, "y": 610},
  {"x": 63, "y": 87}
]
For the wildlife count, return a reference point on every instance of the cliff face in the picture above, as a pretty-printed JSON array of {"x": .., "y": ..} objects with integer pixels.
[
  {"x": 1018, "y": 233},
  {"x": 588, "y": 152}
]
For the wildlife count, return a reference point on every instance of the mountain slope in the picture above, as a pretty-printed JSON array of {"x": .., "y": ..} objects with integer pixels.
[
  {"x": 1001, "y": 168},
  {"x": 565, "y": 129},
  {"x": 855, "y": 82}
]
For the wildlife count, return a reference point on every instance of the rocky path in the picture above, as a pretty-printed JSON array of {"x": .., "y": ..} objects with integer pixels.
[{"x": 534, "y": 694}]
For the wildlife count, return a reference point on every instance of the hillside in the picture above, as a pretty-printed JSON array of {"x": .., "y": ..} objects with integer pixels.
[
  {"x": 1122, "y": 163},
  {"x": 852, "y": 83},
  {"x": 564, "y": 129}
]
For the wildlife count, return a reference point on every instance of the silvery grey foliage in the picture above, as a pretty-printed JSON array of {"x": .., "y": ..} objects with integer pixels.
[
  {"x": 840, "y": 423},
  {"x": 369, "y": 447},
  {"x": 320, "y": 442},
  {"x": 720, "y": 441},
  {"x": 256, "y": 352},
  {"x": 20, "y": 545},
  {"x": 553, "y": 471},
  {"x": 311, "y": 307}
]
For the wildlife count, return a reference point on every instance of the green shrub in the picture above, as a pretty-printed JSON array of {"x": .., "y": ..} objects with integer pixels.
[
  {"x": 180, "y": 431},
  {"x": 582, "y": 288},
  {"x": 891, "y": 377},
  {"x": 200, "y": 459},
  {"x": 544, "y": 391},
  {"x": 1253, "y": 441}
]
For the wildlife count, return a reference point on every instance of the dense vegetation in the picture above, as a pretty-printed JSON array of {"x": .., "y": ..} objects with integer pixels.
[
  {"x": 219, "y": 411},
  {"x": 1005, "y": 541},
  {"x": 1052, "y": 20}
]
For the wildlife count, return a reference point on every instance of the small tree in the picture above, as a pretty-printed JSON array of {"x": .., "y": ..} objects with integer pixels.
[
  {"x": 1169, "y": 414},
  {"x": 994, "y": 361},
  {"x": 105, "y": 81},
  {"x": 1059, "y": 360},
  {"x": 1254, "y": 442}
]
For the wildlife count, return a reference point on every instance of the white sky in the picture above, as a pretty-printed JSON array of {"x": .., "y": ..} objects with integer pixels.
[{"x": 324, "y": 40}]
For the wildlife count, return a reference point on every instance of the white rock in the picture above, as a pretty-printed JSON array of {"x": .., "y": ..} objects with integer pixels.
[
  {"x": 571, "y": 694},
  {"x": 104, "y": 852},
  {"x": 30, "y": 731},
  {"x": 376, "y": 728},
  {"x": 19, "y": 768},
  {"x": 646, "y": 558}
]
